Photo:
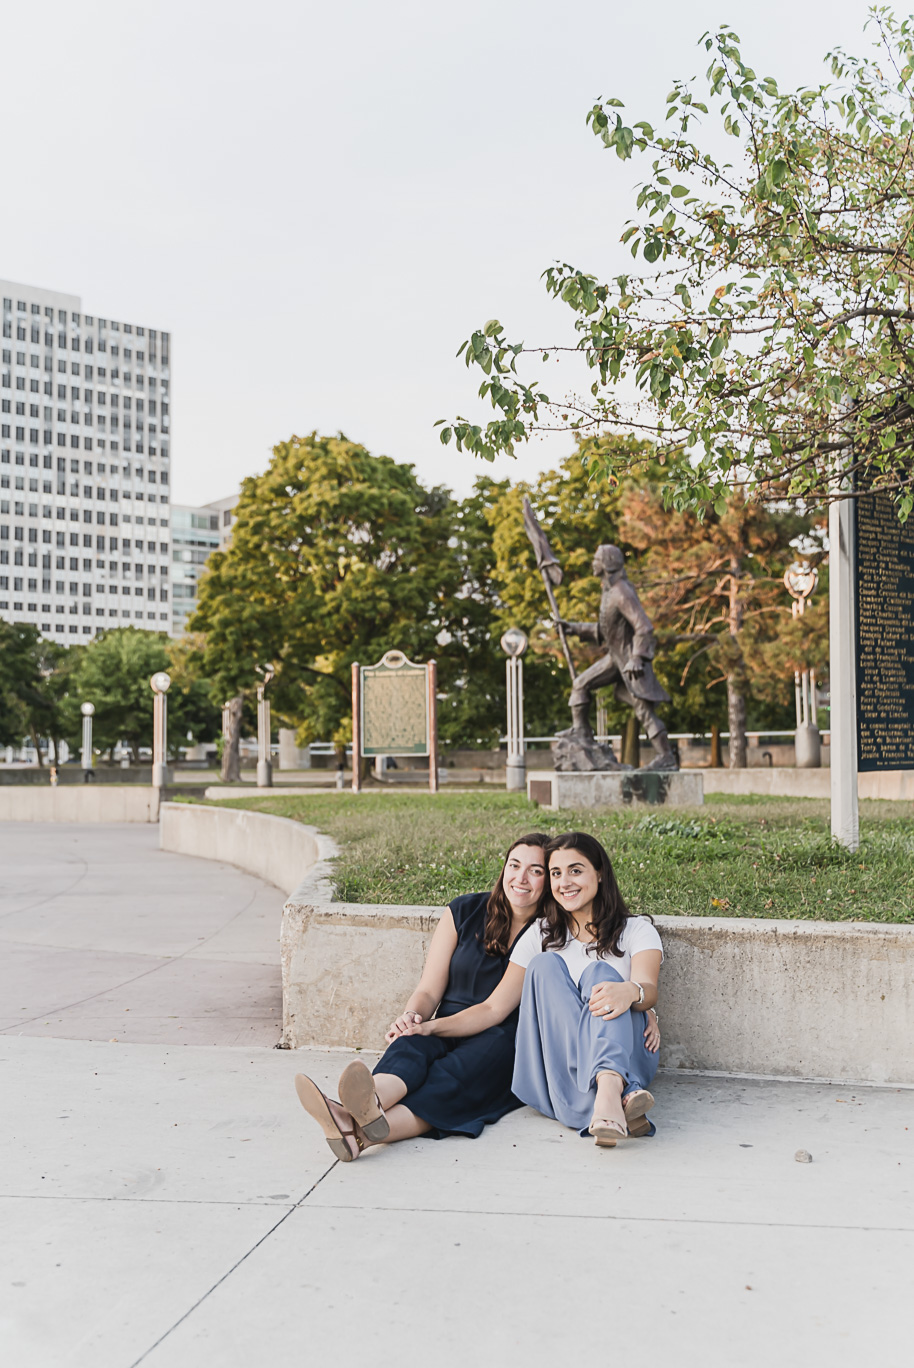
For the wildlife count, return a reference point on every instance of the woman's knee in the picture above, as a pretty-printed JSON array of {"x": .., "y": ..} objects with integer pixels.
[
  {"x": 600, "y": 972},
  {"x": 547, "y": 966}
]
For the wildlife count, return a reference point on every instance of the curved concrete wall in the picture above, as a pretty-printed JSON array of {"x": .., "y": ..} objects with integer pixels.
[
  {"x": 79, "y": 803},
  {"x": 277, "y": 850},
  {"x": 795, "y": 999}
]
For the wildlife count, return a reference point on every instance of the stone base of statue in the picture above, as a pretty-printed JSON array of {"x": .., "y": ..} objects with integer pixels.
[
  {"x": 575, "y": 750},
  {"x": 615, "y": 788}
]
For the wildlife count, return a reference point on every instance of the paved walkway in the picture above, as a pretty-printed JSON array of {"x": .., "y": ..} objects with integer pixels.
[
  {"x": 171, "y": 1205},
  {"x": 104, "y": 936}
]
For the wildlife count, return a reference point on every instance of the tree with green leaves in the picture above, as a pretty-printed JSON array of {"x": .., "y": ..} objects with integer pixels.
[
  {"x": 338, "y": 556},
  {"x": 113, "y": 673},
  {"x": 767, "y": 322},
  {"x": 713, "y": 587},
  {"x": 35, "y": 677}
]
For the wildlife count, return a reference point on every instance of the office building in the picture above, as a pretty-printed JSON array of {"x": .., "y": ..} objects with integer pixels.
[
  {"x": 85, "y": 468},
  {"x": 195, "y": 533}
]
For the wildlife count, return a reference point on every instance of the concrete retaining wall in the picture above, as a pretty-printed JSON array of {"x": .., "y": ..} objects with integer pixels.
[
  {"x": 795, "y": 999},
  {"x": 806, "y": 783},
  {"x": 275, "y": 849},
  {"x": 79, "y": 803}
]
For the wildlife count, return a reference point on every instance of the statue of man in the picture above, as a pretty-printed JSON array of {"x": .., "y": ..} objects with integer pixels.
[{"x": 626, "y": 633}]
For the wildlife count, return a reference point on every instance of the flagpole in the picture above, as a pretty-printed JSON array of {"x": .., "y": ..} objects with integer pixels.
[
  {"x": 544, "y": 561},
  {"x": 558, "y": 623}
]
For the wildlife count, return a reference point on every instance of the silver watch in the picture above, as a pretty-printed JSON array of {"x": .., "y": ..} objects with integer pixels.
[{"x": 640, "y": 993}]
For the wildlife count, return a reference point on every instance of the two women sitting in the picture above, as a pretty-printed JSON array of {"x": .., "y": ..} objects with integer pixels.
[{"x": 540, "y": 992}]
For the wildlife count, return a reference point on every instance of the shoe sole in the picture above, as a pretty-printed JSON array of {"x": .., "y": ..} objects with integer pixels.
[
  {"x": 357, "y": 1094},
  {"x": 315, "y": 1104}
]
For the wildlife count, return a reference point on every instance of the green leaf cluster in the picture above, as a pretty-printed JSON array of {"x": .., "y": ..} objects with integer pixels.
[{"x": 768, "y": 321}]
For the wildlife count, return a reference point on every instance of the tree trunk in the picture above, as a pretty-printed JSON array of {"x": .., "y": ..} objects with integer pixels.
[
  {"x": 736, "y": 716},
  {"x": 36, "y": 743},
  {"x": 716, "y": 758},
  {"x": 736, "y": 703},
  {"x": 56, "y": 744},
  {"x": 231, "y": 760},
  {"x": 631, "y": 744}
]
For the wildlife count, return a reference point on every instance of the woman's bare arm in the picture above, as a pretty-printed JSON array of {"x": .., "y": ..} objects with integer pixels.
[
  {"x": 430, "y": 989},
  {"x": 612, "y": 999},
  {"x": 499, "y": 1004}
]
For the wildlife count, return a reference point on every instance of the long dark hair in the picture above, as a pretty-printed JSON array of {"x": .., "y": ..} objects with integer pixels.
[
  {"x": 609, "y": 913},
  {"x": 498, "y": 909}
]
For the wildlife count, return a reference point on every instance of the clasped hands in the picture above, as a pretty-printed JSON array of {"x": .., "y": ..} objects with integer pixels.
[{"x": 407, "y": 1024}]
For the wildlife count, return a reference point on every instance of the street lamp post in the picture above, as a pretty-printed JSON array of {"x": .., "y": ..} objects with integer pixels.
[
  {"x": 800, "y": 581},
  {"x": 264, "y": 765},
  {"x": 514, "y": 643},
  {"x": 160, "y": 683},
  {"x": 87, "y": 710}
]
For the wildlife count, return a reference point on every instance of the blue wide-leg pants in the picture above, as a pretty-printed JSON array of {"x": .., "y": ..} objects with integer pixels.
[{"x": 562, "y": 1045}]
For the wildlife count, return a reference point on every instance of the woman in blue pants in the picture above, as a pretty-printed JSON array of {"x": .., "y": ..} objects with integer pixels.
[
  {"x": 582, "y": 1056},
  {"x": 585, "y": 975}
]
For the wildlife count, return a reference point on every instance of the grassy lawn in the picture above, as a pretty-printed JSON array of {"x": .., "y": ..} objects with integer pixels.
[{"x": 734, "y": 857}]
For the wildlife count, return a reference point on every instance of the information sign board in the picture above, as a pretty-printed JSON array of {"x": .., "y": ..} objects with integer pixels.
[
  {"x": 884, "y": 584},
  {"x": 394, "y": 707}
]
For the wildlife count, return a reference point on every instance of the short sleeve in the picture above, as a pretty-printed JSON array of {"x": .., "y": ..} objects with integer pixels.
[
  {"x": 640, "y": 934},
  {"x": 529, "y": 946}
]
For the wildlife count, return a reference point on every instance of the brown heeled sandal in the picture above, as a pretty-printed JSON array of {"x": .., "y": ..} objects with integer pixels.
[
  {"x": 636, "y": 1106},
  {"x": 317, "y": 1107},
  {"x": 358, "y": 1096}
]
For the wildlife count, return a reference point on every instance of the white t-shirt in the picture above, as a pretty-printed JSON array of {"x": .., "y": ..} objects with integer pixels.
[{"x": 638, "y": 934}]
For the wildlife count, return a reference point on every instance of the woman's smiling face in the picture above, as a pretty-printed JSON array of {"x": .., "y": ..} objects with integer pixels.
[
  {"x": 524, "y": 877},
  {"x": 574, "y": 881}
]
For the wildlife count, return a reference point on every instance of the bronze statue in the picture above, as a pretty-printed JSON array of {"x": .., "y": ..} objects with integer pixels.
[{"x": 626, "y": 633}]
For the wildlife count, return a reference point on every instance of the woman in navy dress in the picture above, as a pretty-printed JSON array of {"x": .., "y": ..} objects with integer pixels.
[
  {"x": 429, "y": 1082},
  {"x": 585, "y": 977}
]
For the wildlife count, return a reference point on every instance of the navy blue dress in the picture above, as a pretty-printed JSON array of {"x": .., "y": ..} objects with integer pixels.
[{"x": 461, "y": 1085}]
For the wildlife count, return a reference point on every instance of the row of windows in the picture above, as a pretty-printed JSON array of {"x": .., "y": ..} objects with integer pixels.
[
  {"x": 88, "y": 397},
  {"x": 88, "y": 371},
  {"x": 76, "y": 318},
  {"x": 34, "y": 336},
  {"x": 87, "y": 543},
  {"x": 86, "y": 631}
]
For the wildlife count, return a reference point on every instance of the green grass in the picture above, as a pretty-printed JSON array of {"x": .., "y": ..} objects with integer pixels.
[{"x": 734, "y": 857}]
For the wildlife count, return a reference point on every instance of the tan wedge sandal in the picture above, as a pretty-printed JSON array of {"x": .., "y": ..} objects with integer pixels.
[
  {"x": 317, "y": 1106},
  {"x": 358, "y": 1096},
  {"x": 607, "y": 1133}
]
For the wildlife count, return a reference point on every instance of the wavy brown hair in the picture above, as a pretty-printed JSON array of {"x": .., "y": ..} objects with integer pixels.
[
  {"x": 610, "y": 912},
  {"x": 498, "y": 909}
]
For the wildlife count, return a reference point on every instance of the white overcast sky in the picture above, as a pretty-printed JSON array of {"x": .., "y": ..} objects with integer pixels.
[{"x": 321, "y": 201}]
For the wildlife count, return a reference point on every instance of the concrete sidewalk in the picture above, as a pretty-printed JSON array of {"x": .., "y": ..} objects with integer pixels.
[
  {"x": 104, "y": 936},
  {"x": 165, "y": 1201},
  {"x": 175, "y": 1207}
]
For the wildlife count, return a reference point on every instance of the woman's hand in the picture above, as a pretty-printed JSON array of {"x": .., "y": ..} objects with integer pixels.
[
  {"x": 405, "y": 1024},
  {"x": 652, "y": 1032},
  {"x": 610, "y": 1000}
]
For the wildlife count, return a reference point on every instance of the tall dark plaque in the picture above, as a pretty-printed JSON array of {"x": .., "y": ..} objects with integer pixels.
[{"x": 885, "y": 636}]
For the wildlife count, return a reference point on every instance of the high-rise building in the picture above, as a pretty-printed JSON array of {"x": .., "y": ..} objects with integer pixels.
[
  {"x": 84, "y": 468},
  {"x": 195, "y": 533}
]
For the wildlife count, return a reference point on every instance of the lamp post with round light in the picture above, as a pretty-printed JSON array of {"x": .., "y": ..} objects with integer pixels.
[
  {"x": 87, "y": 710},
  {"x": 161, "y": 683},
  {"x": 264, "y": 764},
  {"x": 514, "y": 644},
  {"x": 800, "y": 581}
]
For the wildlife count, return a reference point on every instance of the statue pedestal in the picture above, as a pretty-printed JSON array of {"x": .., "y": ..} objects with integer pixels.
[{"x": 601, "y": 788}]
